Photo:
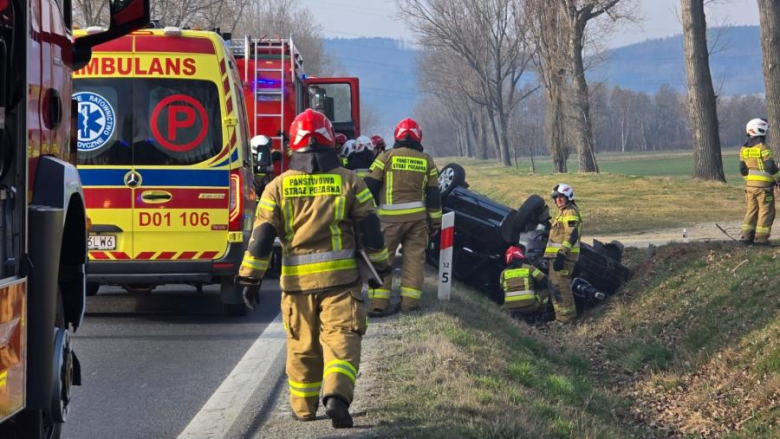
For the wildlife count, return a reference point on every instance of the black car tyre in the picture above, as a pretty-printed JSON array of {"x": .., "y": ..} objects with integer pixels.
[
  {"x": 450, "y": 177},
  {"x": 518, "y": 220}
]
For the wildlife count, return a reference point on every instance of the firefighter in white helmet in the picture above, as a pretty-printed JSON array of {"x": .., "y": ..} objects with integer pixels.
[
  {"x": 758, "y": 167},
  {"x": 363, "y": 157},
  {"x": 563, "y": 251}
]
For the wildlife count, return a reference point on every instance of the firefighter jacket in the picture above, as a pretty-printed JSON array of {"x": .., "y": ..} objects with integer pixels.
[
  {"x": 521, "y": 284},
  {"x": 404, "y": 181},
  {"x": 757, "y": 164},
  {"x": 565, "y": 233},
  {"x": 316, "y": 209},
  {"x": 360, "y": 162}
]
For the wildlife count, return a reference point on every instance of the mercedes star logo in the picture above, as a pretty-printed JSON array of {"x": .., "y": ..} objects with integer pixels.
[{"x": 132, "y": 179}]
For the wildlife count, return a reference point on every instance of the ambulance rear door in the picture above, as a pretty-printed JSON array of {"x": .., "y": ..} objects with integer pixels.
[{"x": 182, "y": 150}]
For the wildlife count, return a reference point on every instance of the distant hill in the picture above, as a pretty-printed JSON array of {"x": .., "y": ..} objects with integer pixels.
[
  {"x": 388, "y": 74},
  {"x": 646, "y": 66},
  {"x": 388, "y": 68}
]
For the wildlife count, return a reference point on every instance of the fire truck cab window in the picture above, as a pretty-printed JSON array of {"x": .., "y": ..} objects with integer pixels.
[{"x": 333, "y": 100}]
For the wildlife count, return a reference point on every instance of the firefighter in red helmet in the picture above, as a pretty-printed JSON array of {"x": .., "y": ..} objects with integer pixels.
[
  {"x": 404, "y": 181},
  {"x": 523, "y": 284},
  {"x": 379, "y": 144},
  {"x": 318, "y": 210}
]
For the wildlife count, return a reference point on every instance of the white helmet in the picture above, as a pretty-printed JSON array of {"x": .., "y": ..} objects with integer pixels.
[
  {"x": 348, "y": 149},
  {"x": 757, "y": 128},
  {"x": 563, "y": 189},
  {"x": 363, "y": 143}
]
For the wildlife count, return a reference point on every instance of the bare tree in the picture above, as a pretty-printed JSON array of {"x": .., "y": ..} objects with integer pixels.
[
  {"x": 702, "y": 107},
  {"x": 489, "y": 36},
  {"x": 90, "y": 12},
  {"x": 578, "y": 14},
  {"x": 769, "y": 13},
  {"x": 550, "y": 36}
]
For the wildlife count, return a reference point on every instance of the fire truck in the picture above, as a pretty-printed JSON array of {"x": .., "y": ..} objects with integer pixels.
[
  {"x": 276, "y": 89},
  {"x": 43, "y": 225}
]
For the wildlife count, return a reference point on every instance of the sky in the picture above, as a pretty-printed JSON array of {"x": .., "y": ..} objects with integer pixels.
[{"x": 378, "y": 18}]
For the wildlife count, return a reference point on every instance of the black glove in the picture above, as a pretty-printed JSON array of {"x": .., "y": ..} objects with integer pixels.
[
  {"x": 387, "y": 271},
  {"x": 558, "y": 264},
  {"x": 374, "y": 284},
  {"x": 241, "y": 280},
  {"x": 433, "y": 234},
  {"x": 251, "y": 295}
]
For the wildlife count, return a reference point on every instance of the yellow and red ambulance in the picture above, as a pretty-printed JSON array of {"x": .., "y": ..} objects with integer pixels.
[{"x": 165, "y": 161}]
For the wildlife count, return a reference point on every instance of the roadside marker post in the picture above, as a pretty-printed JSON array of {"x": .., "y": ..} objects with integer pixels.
[{"x": 445, "y": 255}]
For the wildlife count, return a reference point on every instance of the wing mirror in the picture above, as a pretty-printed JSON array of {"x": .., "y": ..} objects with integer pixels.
[{"x": 126, "y": 16}]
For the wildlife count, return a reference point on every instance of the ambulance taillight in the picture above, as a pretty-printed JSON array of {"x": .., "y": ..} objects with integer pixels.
[{"x": 236, "y": 201}]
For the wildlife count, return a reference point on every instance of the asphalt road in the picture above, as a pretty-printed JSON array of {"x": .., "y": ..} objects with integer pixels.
[{"x": 150, "y": 363}]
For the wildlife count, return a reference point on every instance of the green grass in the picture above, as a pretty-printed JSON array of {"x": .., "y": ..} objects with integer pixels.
[
  {"x": 617, "y": 202},
  {"x": 690, "y": 347}
]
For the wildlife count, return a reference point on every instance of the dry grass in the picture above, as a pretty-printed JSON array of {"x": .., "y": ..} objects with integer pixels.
[
  {"x": 689, "y": 349},
  {"x": 614, "y": 203}
]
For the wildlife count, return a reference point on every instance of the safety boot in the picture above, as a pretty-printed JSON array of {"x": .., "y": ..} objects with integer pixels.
[{"x": 338, "y": 412}]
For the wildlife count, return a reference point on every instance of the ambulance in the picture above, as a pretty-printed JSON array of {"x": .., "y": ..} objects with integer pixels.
[{"x": 166, "y": 163}]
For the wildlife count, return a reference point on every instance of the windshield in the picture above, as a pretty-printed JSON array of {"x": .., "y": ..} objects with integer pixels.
[
  {"x": 333, "y": 100},
  {"x": 125, "y": 121}
]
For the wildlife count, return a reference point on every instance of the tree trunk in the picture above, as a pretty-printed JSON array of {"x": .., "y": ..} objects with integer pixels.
[
  {"x": 583, "y": 128},
  {"x": 503, "y": 145},
  {"x": 554, "y": 131},
  {"x": 769, "y": 11},
  {"x": 707, "y": 160}
]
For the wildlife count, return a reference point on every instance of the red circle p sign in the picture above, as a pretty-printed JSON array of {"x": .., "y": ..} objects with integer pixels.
[{"x": 179, "y": 123}]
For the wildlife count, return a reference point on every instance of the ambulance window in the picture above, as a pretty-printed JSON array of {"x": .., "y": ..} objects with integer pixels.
[
  {"x": 334, "y": 100},
  {"x": 104, "y": 127},
  {"x": 177, "y": 122}
]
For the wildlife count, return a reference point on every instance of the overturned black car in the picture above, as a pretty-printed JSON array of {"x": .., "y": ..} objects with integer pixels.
[{"x": 485, "y": 229}]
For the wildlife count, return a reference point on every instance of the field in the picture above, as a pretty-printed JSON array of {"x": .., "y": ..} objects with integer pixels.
[
  {"x": 688, "y": 349},
  {"x": 633, "y": 193}
]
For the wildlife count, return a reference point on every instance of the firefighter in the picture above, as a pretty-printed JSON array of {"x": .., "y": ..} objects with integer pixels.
[
  {"x": 563, "y": 251},
  {"x": 404, "y": 181},
  {"x": 347, "y": 150},
  {"x": 317, "y": 208},
  {"x": 363, "y": 157},
  {"x": 757, "y": 165},
  {"x": 523, "y": 284},
  {"x": 379, "y": 144}
]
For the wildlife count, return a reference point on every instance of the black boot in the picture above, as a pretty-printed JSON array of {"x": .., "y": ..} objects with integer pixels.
[{"x": 338, "y": 412}]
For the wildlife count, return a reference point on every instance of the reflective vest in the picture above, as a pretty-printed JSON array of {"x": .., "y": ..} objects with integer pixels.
[
  {"x": 568, "y": 219},
  {"x": 405, "y": 173},
  {"x": 315, "y": 217},
  {"x": 754, "y": 158},
  {"x": 521, "y": 288}
]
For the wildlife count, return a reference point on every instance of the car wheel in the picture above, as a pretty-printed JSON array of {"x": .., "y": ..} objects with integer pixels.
[
  {"x": 532, "y": 211},
  {"x": 450, "y": 177},
  {"x": 92, "y": 288}
]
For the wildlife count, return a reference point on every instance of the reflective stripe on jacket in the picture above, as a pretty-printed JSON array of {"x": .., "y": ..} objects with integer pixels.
[
  {"x": 521, "y": 286},
  {"x": 406, "y": 175},
  {"x": 315, "y": 216},
  {"x": 756, "y": 158},
  {"x": 568, "y": 219}
]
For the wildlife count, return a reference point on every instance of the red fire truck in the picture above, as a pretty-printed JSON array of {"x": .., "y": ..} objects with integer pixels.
[
  {"x": 43, "y": 225},
  {"x": 276, "y": 89}
]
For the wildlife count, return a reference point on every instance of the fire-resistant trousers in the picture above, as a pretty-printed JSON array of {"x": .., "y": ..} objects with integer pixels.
[
  {"x": 560, "y": 289},
  {"x": 413, "y": 236},
  {"x": 760, "y": 214},
  {"x": 324, "y": 332}
]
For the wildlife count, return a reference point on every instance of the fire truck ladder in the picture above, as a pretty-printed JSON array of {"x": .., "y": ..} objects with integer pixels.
[{"x": 273, "y": 94}]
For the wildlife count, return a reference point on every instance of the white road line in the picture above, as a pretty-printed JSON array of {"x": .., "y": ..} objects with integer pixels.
[{"x": 250, "y": 384}]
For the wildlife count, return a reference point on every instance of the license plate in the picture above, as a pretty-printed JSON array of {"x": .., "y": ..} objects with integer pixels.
[{"x": 101, "y": 242}]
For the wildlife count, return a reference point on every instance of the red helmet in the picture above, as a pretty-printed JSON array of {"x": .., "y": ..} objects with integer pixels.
[
  {"x": 311, "y": 129},
  {"x": 514, "y": 253},
  {"x": 408, "y": 129},
  {"x": 379, "y": 143},
  {"x": 341, "y": 139}
]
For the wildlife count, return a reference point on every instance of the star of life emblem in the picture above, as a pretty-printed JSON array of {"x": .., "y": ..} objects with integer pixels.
[{"x": 96, "y": 121}]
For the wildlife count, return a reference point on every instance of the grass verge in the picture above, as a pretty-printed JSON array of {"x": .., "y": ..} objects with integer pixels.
[
  {"x": 616, "y": 203},
  {"x": 689, "y": 349}
]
